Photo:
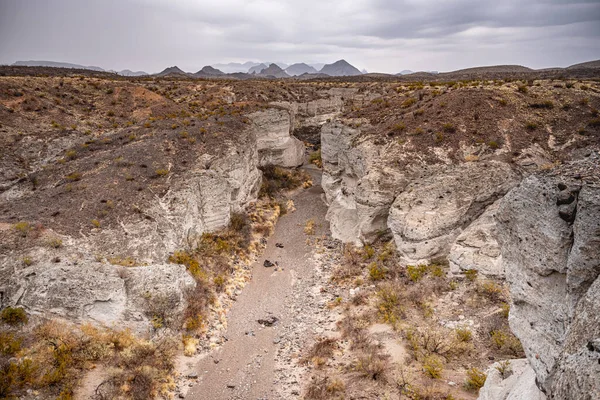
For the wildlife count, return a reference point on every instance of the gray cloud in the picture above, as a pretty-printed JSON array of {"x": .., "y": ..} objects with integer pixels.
[{"x": 380, "y": 35}]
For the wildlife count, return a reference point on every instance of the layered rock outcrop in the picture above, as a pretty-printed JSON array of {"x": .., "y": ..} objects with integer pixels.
[
  {"x": 359, "y": 187},
  {"x": 549, "y": 233},
  {"x": 276, "y": 145}
]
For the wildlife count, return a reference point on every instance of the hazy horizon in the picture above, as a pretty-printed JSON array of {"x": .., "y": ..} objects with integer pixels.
[{"x": 377, "y": 35}]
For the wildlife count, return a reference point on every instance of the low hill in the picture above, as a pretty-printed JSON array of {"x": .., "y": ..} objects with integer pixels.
[
  {"x": 493, "y": 69},
  {"x": 55, "y": 64},
  {"x": 589, "y": 64},
  {"x": 127, "y": 72}
]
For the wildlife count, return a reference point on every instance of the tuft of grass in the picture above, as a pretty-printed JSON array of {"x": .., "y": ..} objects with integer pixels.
[
  {"x": 522, "y": 89},
  {"x": 463, "y": 334},
  {"x": 449, "y": 128},
  {"x": 73, "y": 177},
  {"x": 309, "y": 227},
  {"x": 531, "y": 126},
  {"x": 14, "y": 316},
  {"x": 161, "y": 172},
  {"x": 315, "y": 158},
  {"x": 471, "y": 274},
  {"x": 55, "y": 242},
  {"x": 22, "y": 228},
  {"x": 96, "y": 223},
  {"x": 408, "y": 102}
]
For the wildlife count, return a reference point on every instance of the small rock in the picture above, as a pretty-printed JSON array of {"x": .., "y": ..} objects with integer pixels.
[
  {"x": 193, "y": 375},
  {"x": 268, "y": 264},
  {"x": 181, "y": 396},
  {"x": 279, "y": 245},
  {"x": 231, "y": 386},
  {"x": 269, "y": 321}
]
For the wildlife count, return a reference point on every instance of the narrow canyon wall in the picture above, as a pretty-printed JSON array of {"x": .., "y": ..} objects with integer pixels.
[{"x": 549, "y": 232}]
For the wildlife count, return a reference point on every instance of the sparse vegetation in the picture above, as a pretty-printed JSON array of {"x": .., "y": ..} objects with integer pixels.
[
  {"x": 14, "y": 316},
  {"x": 475, "y": 379}
]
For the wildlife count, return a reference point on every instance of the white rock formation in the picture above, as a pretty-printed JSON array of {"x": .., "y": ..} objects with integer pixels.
[
  {"x": 91, "y": 291},
  {"x": 518, "y": 383},
  {"x": 432, "y": 212},
  {"x": 549, "y": 232},
  {"x": 276, "y": 145},
  {"x": 476, "y": 247},
  {"x": 358, "y": 187}
]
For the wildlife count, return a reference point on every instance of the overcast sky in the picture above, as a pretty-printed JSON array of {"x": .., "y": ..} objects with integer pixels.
[{"x": 379, "y": 35}]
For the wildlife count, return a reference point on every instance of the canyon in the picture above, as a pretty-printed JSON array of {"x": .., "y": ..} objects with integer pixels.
[{"x": 147, "y": 205}]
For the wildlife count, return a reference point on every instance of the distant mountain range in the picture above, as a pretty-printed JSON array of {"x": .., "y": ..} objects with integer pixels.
[{"x": 269, "y": 70}]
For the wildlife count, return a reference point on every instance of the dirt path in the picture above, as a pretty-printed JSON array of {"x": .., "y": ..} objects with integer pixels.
[{"x": 249, "y": 364}]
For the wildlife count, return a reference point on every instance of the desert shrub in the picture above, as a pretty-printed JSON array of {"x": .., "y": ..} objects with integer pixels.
[
  {"x": 569, "y": 85},
  {"x": 388, "y": 303},
  {"x": 475, "y": 379},
  {"x": 368, "y": 252},
  {"x": 548, "y": 104},
  {"x": 399, "y": 127},
  {"x": 277, "y": 179},
  {"x": 161, "y": 172},
  {"x": 449, "y": 128},
  {"x": 315, "y": 158},
  {"x": 325, "y": 388},
  {"x": 491, "y": 290},
  {"x": 433, "y": 366},
  {"x": 320, "y": 351},
  {"x": 239, "y": 222},
  {"x": 408, "y": 102},
  {"x": 463, "y": 334},
  {"x": 416, "y": 272},
  {"x": 376, "y": 272},
  {"x": 22, "y": 228},
  {"x": 309, "y": 227},
  {"x": 504, "y": 368},
  {"x": 354, "y": 329},
  {"x": 522, "y": 89},
  {"x": 372, "y": 365},
  {"x": 531, "y": 126},
  {"x": 471, "y": 274},
  {"x": 505, "y": 340},
  {"x": 594, "y": 123},
  {"x": 73, "y": 177},
  {"x": 14, "y": 316}
]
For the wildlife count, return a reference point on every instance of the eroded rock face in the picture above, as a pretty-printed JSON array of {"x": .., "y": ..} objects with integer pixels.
[
  {"x": 432, "y": 212},
  {"x": 91, "y": 291},
  {"x": 359, "y": 189},
  {"x": 476, "y": 247},
  {"x": 200, "y": 201},
  {"x": 275, "y": 143},
  {"x": 549, "y": 232}
]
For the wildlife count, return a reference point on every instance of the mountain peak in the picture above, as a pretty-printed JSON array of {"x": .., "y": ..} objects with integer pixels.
[{"x": 340, "y": 68}]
